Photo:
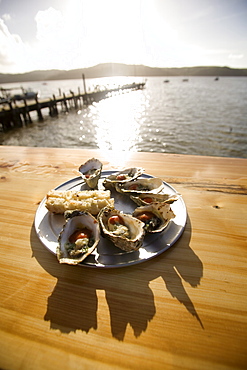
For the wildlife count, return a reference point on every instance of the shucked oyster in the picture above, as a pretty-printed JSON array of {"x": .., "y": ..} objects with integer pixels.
[
  {"x": 91, "y": 172},
  {"x": 146, "y": 199},
  {"x": 156, "y": 216},
  {"x": 78, "y": 238},
  {"x": 125, "y": 175},
  {"x": 148, "y": 185},
  {"x": 125, "y": 231}
]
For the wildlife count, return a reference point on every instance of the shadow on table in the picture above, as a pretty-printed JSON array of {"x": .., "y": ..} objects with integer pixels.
[{"x": 73, "y": 303}]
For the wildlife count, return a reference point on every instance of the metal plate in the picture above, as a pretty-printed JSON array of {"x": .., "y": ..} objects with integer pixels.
[{"x": 48, "y": 227}]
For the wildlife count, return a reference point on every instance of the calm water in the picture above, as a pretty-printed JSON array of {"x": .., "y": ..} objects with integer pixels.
[{"x": 201, "y": 116}]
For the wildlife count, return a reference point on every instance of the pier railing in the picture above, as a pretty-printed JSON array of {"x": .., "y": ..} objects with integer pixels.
[{"x": 13, "y": 114}]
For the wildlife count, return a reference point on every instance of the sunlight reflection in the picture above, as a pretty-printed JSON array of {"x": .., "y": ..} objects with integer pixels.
[{"x": 117, "y": 127}]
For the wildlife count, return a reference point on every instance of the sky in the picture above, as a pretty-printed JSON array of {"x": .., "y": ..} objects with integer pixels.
[{"x": 71, "y": 34}]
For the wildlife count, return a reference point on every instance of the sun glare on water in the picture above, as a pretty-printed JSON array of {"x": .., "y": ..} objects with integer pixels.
[{"x": 116, "y": 126}]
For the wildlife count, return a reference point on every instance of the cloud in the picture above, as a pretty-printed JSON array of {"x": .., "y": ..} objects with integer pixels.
[
  {"x": 53, "y": 47},
  {"x": 85, "y": 37},
  {"x": 50, "y": 24},
  {"x": 11, "y": 46},
  {"x": 6, "y": 17}
]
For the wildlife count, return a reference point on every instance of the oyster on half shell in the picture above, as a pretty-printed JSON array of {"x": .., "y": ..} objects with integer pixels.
[
  {"x": 91, "y": 172},
  {"x": 125, "y": 175},
  {"x": 156, "y": 216},
  {"x": 146, "y": 199},
  {"x": 79, "y": 237},
  {"x": 141, "y": 186},
  {"x": 124, "y": 230}
]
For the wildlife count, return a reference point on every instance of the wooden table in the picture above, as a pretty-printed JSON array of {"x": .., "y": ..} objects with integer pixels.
[{"x": 184, "y": 309}]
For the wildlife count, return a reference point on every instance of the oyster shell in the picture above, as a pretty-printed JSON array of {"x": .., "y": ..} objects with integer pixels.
[
  {"x": 125, "y": 175},
  {"x": 141, "y": 186},
  {"x": 78, "y": 238},
  {"x": 91, "y": 172},
  {"x": 156, "y": 216},
  {"x": 124, "y": 230},
  {"x": 146, "y": 199}
]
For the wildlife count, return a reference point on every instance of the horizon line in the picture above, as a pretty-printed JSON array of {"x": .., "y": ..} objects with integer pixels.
[{"x": 123, "y": 64}]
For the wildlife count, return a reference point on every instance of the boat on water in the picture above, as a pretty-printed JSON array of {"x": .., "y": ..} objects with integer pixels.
[{"x": 25, "y": 94}]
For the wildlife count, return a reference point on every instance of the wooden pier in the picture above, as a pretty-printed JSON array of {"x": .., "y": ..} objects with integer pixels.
[{"x": 14, "y": 114}]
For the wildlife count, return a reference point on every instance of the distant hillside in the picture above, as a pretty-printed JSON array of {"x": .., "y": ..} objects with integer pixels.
[{"x": 118, "y": 69}]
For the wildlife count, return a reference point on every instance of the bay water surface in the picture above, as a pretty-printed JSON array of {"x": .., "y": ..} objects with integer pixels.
[{"x": 200, "y": 116}]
